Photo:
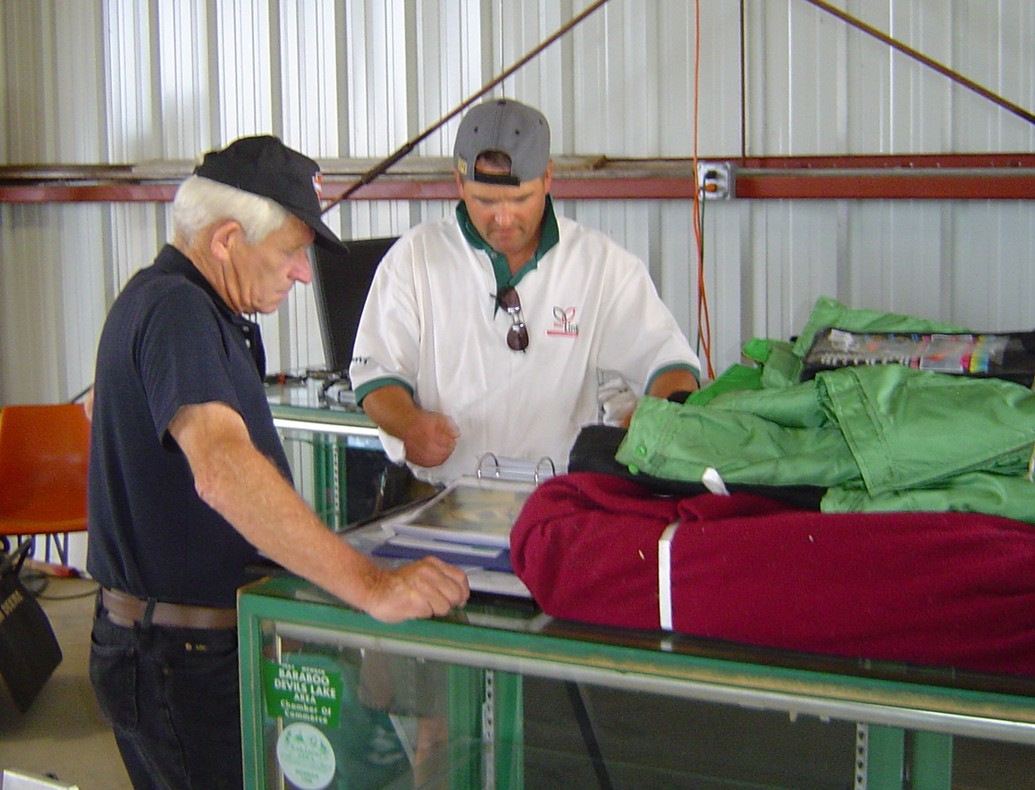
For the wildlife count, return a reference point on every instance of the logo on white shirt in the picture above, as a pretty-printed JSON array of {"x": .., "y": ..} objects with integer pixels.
[{"x": 564, "y": 322}]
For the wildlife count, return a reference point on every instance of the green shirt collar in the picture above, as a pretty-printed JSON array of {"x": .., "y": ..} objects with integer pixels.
[{"x": 548, "y": 237}]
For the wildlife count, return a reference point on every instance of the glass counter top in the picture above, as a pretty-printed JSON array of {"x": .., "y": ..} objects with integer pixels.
[{"x": 514, "y": 635}]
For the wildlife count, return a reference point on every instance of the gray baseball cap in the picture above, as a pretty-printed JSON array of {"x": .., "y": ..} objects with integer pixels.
[{"x": 517, "y": 130}]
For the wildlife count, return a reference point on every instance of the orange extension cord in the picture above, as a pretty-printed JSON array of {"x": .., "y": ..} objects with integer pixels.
[{"x": 704, "y": 330}]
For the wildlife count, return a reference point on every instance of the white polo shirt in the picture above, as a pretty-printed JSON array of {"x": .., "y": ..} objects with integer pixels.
[{"x": 432, "y": 325}]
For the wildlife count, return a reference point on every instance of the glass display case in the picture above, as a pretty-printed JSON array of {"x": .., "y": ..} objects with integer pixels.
[{"x": 499, "y": 695}]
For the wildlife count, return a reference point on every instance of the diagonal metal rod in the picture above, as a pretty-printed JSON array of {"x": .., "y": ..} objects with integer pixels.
[
  {"x": 382, "y": 166},
  {"x": 929, "y": 62}
]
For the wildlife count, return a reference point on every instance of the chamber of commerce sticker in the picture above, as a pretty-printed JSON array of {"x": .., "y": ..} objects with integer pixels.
[
  {"x": 303, "y": 690},
  {"x": 305, "y": 756}
]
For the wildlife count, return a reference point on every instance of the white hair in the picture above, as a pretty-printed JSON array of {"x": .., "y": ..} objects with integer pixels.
[{"x": 200, "y": 201}]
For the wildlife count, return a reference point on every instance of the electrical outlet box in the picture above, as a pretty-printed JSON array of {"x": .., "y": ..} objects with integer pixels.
[{"x": 715, "y": 180}]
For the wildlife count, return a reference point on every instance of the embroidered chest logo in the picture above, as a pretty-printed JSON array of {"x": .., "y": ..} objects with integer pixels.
[{"x": 564, "y": 322}]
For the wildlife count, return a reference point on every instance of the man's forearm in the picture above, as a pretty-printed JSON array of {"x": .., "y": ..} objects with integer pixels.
[
  {"x": 392, "y": 409},
  {"x": 264, "y": 507},
  {"x": 428, "y": 437},
  {"x": 241, "y": 484}
]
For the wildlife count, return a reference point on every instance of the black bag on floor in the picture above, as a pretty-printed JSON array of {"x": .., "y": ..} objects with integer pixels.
[{"x": 29, "y": 651}]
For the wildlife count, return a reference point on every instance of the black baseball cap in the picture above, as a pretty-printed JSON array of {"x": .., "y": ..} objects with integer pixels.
[
  {"x": 519, "y": 131},
  {"x": 264, "y": 166}
]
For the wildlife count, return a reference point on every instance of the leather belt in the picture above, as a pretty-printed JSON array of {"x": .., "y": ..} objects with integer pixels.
[{"x": 127, "y": 610}]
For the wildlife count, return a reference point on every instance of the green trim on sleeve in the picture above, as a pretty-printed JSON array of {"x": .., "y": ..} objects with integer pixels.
[
  {"x": 679, "y": 366},
  {"x": 365, "y": 389}
]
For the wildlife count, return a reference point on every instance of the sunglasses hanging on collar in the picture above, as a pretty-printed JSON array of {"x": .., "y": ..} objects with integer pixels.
[{"x": 508, "y": 300}]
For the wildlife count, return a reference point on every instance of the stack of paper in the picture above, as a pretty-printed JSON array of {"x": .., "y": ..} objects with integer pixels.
[{"x": 468, "y": 524}]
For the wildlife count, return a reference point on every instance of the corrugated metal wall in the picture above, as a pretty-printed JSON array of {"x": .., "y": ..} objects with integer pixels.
[{"x": 119, "y": 81}]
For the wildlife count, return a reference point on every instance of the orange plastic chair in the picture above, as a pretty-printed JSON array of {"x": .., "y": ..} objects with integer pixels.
[{"x": 44, "y": 450}]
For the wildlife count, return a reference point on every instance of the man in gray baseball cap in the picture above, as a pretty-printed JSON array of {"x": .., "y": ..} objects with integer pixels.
[{"x": 451, "y": 363}]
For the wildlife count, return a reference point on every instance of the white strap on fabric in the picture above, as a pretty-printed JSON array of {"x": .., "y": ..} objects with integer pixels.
[
  {"x": 713, "y": 481},
  {"x": 665, "y": 575}
]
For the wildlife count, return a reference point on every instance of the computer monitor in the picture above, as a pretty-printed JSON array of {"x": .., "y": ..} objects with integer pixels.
[{"x": 342, "y": 279}]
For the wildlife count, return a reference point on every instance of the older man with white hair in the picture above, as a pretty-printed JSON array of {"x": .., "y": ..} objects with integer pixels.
[{"x": 188, "y": 477}]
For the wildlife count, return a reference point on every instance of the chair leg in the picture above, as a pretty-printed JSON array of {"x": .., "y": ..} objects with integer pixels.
[
  {"x": 17, "y": 540},
  {"x": 61, "y": 546},
  {"x": 59, "y": 539}
]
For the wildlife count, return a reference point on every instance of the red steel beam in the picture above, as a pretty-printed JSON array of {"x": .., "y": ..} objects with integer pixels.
[
  {"x": 87, "y": 193},
  {"x": 911, "y": 177},
  {"x": 888, "y": 162},
  {"x": 885, "y": 186}
]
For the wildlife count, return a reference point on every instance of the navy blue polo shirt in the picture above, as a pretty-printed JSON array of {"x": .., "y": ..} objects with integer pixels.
[{"x": 169, "y": 341}]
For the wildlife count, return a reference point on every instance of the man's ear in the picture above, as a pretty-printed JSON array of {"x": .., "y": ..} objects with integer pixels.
[
  {"x": 225, "y": 235},
  {"x": 459, "y": 185}
]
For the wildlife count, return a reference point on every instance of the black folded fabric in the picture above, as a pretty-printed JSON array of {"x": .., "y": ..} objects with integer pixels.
[{"x": 594, "y": 451}]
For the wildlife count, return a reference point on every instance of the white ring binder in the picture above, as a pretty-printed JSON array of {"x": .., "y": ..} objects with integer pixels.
[{"x": 481, "y": 463}]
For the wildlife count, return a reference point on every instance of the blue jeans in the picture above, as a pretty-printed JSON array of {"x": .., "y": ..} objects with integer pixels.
[{"x": 172, "y": 697}]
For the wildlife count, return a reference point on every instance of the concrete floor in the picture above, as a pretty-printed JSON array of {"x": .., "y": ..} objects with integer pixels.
[{"x": 64, "y": 735}]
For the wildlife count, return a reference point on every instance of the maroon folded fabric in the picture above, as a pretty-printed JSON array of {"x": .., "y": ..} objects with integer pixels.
[{"x": 946, "y": 589}]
